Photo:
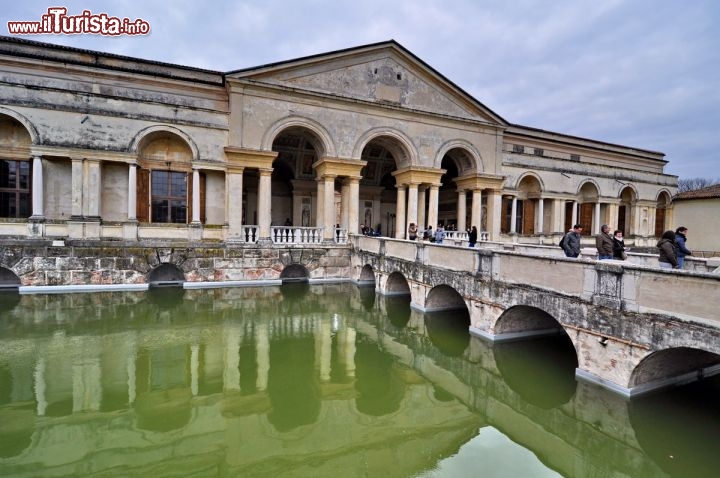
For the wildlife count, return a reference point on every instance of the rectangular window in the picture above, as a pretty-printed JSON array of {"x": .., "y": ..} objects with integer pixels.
[
  {"x": 574, "y": 157},
  {"x": 539, "y": 152},
  {"x": 517, "y": 148},
  {"x": 14, "y": 188},
  {"x": 169, "y": 197}
]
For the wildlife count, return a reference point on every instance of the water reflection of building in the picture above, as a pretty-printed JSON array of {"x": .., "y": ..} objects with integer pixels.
[
  {"x": 211, "y": 385},
  {"x": 232, "y": 387}
]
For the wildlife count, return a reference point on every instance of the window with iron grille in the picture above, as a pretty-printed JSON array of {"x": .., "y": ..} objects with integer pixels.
[
  {"x": 15, "y": 199},
  {"x": 539, "y": 152},
  {"x": 518, "y": 148},
  {"x": 169, "y": 197}
]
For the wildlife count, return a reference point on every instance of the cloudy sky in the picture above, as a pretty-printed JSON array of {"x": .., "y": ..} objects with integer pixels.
[{"x": 642, "y": 73}]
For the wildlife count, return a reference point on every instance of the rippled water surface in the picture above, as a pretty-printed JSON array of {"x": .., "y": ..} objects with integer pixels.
[{"x": 315, "y": 381}]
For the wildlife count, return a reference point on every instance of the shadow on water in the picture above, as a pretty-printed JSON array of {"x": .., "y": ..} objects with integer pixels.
[
  {"x": 398, "y": 310},
  {"x": 367, "y": 297},
  {"x": 540, "y": 370},
  {"x": 166, "y": 298},
  {"x": 679, "y": 428},
  {"x": 292, "y": 386},
  {"x": 8, "y": 301},
  {"x": 294, "y": 290},
  {"x": 448, "y": 330},
  {"x": 380, "y": 389}
]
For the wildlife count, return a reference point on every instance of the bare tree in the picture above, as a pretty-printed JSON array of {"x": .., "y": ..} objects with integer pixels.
[{"x": 691, "y": 184}]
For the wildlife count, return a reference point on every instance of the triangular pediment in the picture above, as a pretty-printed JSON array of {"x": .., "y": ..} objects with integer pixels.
[{"x": 383, "y": 73}]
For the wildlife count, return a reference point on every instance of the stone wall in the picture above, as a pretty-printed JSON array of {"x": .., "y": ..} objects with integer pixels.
[{"x": 40, "y": 263}]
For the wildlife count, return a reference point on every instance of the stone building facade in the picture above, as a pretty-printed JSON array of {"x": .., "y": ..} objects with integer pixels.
[{"x": 95, "y": 146}]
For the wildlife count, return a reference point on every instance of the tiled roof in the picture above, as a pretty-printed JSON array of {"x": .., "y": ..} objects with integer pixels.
[{"x": 709, "y": 192}]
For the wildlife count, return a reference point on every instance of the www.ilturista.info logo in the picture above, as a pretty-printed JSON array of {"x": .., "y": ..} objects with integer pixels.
[{"x": 57, "y": 21}]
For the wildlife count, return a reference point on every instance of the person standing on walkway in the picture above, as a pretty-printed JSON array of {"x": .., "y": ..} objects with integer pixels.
[
  {"x": 604, "y": 243},
  {"x": 571, "y": 241},
  {"x": 668, "y": 253},
  {"x": 680, "y": 243},
  {"x": 619, "y": 246},
  {"x": 412, "y": 231},
  {"x": 439, "y": 234},
  {"x": 472, "y": 237}
]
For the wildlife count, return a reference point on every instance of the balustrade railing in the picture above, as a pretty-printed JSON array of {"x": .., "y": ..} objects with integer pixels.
[
  {"x": 296, "y": 235},
  {"x": 250, "y": 234}
]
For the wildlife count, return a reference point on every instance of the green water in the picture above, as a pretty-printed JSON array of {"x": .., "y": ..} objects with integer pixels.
[{"x": 315, "y": 381}]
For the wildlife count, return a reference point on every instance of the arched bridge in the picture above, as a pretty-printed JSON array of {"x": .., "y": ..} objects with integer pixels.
[{"x": 634, "y": 328}]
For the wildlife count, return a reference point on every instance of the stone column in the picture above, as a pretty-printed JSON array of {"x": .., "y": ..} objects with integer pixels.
[
  {"x": 76, "y": 189},
  {"x": 541, "y": 217},
  {"x": 596, "y": 219},
  {"x": 354, "y": 205},
  {"x": 558, "y": 217},
  {"x": 132, "y": 192},
  {"x": 461, "y": 210},
  {"x": 264, "y": 205},
  {"x": 412, "y": 212},
  {"x": 92, "y": 192},
  {"x": 513, "y": 216},
  {"x": 345, "y": 202},
  {"x": 400, "y": 232},
  {"x": 329, "y": 208},
  {"x": 476, "y": 213},
  {"x": 613, "y": 215},
  {"x": 195, "y": 197},
  {"x": 433, "y": 206},
  {"x": 234, "y": 204},
  {"x": 38, "y": 211},
  {"x": 422, "y": 223},
  {"x": 575, "y": 214},
  {"x": 320, "y": 217},
  {"x": 494, "y": 214}
]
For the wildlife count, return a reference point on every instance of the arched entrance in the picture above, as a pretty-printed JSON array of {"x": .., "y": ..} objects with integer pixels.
[
  {"x": 626, "y": 211},
  {"x": 294, "y": 189},
  {"x": 15, "y": 169},
  {"x": 588, "y": 199},
  {"x": 661, "y": 213},
  {"x": 164, "y": 180}
]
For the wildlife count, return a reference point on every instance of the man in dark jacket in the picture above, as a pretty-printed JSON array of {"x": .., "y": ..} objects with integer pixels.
[
  {"x": 668, "y": 252},
  {"x": 681, "y": 248},
  {"x": 604, "y": 243},
  {"x": 571, "y": 242}
]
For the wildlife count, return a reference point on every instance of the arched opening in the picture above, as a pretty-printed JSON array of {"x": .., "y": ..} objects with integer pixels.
[
  {"x": 378, "y": 194},
  {"x": 447, "y": 320},
  {"x": 15, "y": 169},
  {"x": 293, "y": 178},
  {"x": 524, "y": 321},
  {"x": 294, "y": 273},
  {"x": 452, "y": 163},
  {"x": 661, "y": 213},
  {"x": 397, "y": 285},
  {"x": 166, "y": 275},
  {"x": 626, "y": 211},
  {"x": 444, "y": 297},
  {"x": 398, "y": 310},
  {"x": 164, "y": 180},
  {"x": 367, "y": 275},
  {"x": 8, "y": 279},
  {"x": 588, "y": 198},
  {"x": 541, "y": 370},
  {"x": 671, "y": 366}
]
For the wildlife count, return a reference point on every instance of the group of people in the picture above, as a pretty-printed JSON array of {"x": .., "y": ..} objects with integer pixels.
[
  {"x": 672, "y": 245},
  {"x": 439, "y": 234}
]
